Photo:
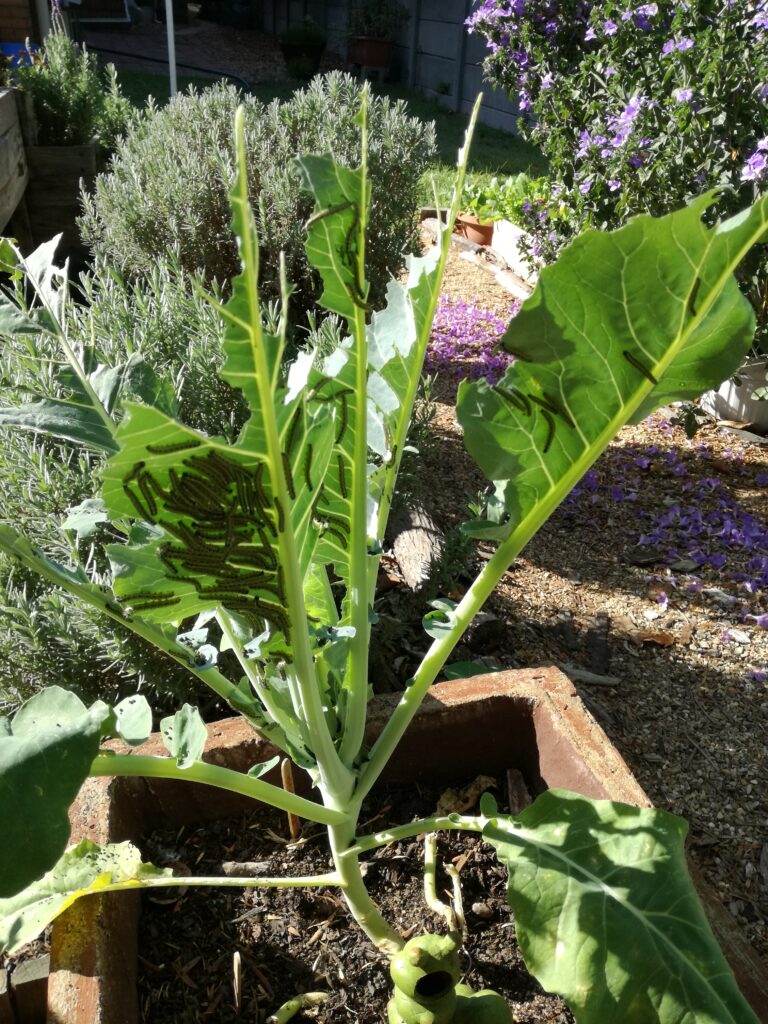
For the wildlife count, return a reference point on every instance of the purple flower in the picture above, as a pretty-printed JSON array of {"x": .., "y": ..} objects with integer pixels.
[
  {"x": 610, "y": 27},
  {"x": 585, "y": 186},
  {"x": 614, "y": 184},
  {"x": 684, "y": 44},
  {"x": 547, "y": 81},
  {"x": 668, "y": 47},
  {"x": 590, "y": 34},
  {"x": 683, "y": 95},
  {"x": 755, "y": 166}
]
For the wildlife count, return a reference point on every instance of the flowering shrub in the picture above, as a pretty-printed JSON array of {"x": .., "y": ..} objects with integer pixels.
[
  {"x": 639, "y": 106},
  {"x": 463, "y": 342}
]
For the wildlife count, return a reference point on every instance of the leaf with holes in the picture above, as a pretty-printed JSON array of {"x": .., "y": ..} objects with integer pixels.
[
  {"x": 85, "y": 869},
  {"x": 607, "y": 916}
]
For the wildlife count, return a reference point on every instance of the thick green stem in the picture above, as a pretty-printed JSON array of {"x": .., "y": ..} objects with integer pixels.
[
  {"x": 361, "y": 906},
  {"x": 223, "y": 778},
  {"x": 421, "y": 827},
  {"x": 357, "y": 669},
  {"x": 222, "y": 882},
  {"x": 336, "y": 778}
]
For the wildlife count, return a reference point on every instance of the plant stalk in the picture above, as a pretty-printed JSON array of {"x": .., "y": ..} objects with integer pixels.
[{"x": 106, "y": 764}]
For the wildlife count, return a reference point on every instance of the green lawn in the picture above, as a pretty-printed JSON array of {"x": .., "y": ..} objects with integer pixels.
[{"x": 494, "y": 152}]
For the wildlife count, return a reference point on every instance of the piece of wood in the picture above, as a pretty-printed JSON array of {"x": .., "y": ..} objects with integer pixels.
[
  {"x": 29, "y": 989},
  {"x": 417, "y": 544},
  {"x": 7, "y": 1015},
  {"x": 13, "y": 165},
  {"x": 581, "y": 675}
]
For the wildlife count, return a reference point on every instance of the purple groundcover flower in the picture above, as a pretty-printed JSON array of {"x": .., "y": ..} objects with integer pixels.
[
  {"x": 610, "y": 27},
  {"x": 463, "y": 342},
  {"x": 683, "y": 95}
]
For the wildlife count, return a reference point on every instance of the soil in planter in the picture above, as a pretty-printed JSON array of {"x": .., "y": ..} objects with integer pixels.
[{"x": 292, "y": 941}]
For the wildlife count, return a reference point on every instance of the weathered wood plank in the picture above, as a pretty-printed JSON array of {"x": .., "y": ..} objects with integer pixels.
[{"x": 13, "y": 166}]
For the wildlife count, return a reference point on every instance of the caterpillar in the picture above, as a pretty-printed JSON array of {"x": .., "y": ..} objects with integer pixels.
[
  {"x": 308, "y": 468},
  {"x": 547, "y": 417},
  {"x": 292, "y": 428},
  {"x": 157, "y": 602},
  {"x": 639, "y": 366},
  {"x": 280, "y": 515},
  {"x": 692, "y": 296},
  {"x": 143, "y": 481},
  {"x": 342, "y": 537},
  {"x": 169, "y": 449},
  {"x": 288, "y": 476},
  {"x": 342, "y": 476},
  {"x": 343, "y": 417},
  {"x": 280, "y": 583},
  {"x": 545, "y": 402},
  {"x": 516, "y": 398}
]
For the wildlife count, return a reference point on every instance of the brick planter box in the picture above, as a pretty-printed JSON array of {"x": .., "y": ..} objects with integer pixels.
[{"x": 531, "y": 720}]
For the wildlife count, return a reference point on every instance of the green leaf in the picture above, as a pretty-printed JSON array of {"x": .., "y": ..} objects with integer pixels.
[
  {"x": 332, "y": 231},
  {"x": 184, "y": 735},
  {"x": 83, "y": 870},
  {"x": 607, "y": 916},
  {"x": 133, "y": 719},
  {"x": 44, "y": 760},
  {"x": 440, "y": 621},
  {"x": 466, "y": 669},
  {"x": 67, "y": 419},
  {"x": 624, "y": 322},
  {"x": 258, "y": 770},
  {"x": 83, "y": 519}
]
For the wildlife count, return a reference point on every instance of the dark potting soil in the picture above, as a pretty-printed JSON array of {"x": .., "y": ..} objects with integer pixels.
[{"x": 299, "y": 940}]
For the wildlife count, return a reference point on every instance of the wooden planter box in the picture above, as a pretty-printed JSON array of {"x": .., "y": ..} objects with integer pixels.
[
  {"x": 53, "y": 193},
  {"x": 531, "y": 720},
  {"x": 13, "y": 163}
]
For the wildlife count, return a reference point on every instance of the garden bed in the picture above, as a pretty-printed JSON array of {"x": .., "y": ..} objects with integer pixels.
[{"x": 297, "y": 940}]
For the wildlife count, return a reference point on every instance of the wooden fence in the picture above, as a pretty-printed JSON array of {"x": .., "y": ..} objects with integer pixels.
[{"x": 434, "y": 52}]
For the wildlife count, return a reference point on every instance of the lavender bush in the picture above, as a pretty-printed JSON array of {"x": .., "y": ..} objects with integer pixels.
[{"x": 638, "y": 106}]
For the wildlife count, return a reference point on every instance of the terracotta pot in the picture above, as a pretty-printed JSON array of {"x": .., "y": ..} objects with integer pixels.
[
  {"x": 532, "y": 720},
  {"x": 477, "y": 231},
  {"x": 370, "y": 52}
]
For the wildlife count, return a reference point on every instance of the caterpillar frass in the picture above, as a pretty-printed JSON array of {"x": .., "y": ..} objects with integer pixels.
[{"x": 640, "y": 367}]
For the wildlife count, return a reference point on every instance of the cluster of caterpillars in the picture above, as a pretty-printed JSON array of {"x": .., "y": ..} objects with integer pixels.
[
  {"x": 228, "y": 532},
  {"x": 548, "y": 408}
]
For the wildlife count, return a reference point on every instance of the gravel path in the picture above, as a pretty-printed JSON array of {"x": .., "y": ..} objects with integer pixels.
[{"x": 654, "y": 574}]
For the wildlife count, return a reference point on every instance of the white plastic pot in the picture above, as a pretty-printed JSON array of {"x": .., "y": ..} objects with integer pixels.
[
  {"x": 732, "y": 402},
  {"x": 506, "y": 242}
]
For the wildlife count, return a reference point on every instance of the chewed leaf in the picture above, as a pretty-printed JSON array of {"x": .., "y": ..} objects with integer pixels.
[
  {"x": 83, "y": 870},
  {"x": 184, "y": 735},
  {"x": 624, "y": 322},
  {"x": 45, "y": 756},
  {"x": 133, "y": 718},
  {"x": 607, "y": 916}
]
